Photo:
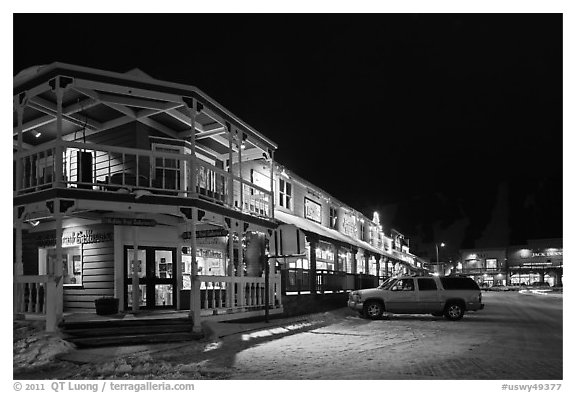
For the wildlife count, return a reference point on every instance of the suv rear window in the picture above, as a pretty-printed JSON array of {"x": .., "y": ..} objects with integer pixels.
[
  {"x": 458, "y": 283},
  {"x": 426, "y": 284}
]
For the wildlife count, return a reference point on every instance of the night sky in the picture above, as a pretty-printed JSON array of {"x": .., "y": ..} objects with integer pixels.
[{"x": 449, "y": 125}]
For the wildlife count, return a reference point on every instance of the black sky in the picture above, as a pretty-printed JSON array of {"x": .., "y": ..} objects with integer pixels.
[{"x": 421, "y": 117}]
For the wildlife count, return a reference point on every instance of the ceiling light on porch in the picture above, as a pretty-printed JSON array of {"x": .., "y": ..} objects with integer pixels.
[
  {"x": 36, "y": 133},
  {"x": 34, "y": 223}
]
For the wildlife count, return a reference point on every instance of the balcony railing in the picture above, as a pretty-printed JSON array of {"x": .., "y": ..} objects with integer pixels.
[{"x": 125, "y": 170}]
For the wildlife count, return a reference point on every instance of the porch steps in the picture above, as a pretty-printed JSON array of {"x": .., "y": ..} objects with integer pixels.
[{"x": 89, "y": 334}]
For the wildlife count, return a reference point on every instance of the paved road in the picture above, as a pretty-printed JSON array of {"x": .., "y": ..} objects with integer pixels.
[{"x": 516, "y": 337}]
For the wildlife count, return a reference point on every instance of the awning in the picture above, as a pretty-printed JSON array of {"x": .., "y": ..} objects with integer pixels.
[{"x": 318, "y": 229}]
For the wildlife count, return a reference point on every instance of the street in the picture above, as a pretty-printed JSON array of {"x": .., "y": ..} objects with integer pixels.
[{"x": 516, "y": 337}]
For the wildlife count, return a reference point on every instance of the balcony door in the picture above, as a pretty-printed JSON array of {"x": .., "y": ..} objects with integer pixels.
[{"x": 156, "y": 268}]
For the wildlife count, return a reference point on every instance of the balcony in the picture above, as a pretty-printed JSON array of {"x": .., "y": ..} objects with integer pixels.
[{"x": 109, "y": 169}]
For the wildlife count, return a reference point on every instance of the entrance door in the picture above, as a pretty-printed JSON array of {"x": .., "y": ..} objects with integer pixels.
[{"x": 157, "y": 277}]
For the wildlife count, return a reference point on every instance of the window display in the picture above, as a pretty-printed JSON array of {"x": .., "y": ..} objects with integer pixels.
[{"x": 210, "y": 263}]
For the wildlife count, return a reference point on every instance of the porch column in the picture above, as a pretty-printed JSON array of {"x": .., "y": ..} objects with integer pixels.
[
  {"x": 230, "y": 268},
  {"x": 377, "y": 265},
  {"x": 194, "y": 282},
  {"x": 58, "y": 151},
  {"x": 366, "y": 262},
  {"x": 18, "y": 264},
  {"x": 58, "y": 269},
  {"x": 386, "y": 259},
  {"x": 354, "y": 267},
  {"x": 230, "y": 172},
  {"x": 312, "y": 260},
  {"x": 135, "y": 272},
  {"x": 271, "y": 202},
  {"x": 240, "y": 141},
  {"x": 191, "y": 106},
  {"x": 20, "y": 112}
]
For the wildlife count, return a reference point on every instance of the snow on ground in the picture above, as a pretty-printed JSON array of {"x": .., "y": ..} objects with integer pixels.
[{"x": 33, "y": 347}]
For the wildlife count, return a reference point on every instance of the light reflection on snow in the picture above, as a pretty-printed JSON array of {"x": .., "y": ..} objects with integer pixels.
[
  {"x": 212, "y": 346},
  {"x": 274, "y": 331}
]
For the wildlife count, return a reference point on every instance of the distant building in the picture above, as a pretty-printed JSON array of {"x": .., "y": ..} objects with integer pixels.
[{"x": 537, "y": 261}]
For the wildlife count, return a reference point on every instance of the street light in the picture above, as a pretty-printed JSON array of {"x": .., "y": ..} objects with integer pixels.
[{"x": 441, "y": 245}]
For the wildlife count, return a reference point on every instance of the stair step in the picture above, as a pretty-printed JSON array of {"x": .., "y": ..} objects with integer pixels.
[
  {"x": 89, "y": 342},
  {"x": 96, "y": 324},
  {"x": 128, "y": 330}
]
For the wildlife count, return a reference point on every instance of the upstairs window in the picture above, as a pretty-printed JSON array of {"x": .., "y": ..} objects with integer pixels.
[
  {"x": 491, "y": 263},
  {"x": 333, "y": 217},
  {"x": 362, "y": 231},
  {"x": 285, "y": 194}
]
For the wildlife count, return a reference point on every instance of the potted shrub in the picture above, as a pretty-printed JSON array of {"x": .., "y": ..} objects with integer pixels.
[{"x": 106, "y": 305}]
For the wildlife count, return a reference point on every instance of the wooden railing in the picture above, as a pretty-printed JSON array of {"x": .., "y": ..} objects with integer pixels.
[
  {"x": 222, "y": 294},
  {"x": 36, "y": 297},
  {"x": 91, "y": 166},
  {"x": 299, "y": 280}
]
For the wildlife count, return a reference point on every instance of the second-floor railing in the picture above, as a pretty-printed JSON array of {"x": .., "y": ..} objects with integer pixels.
[{"x": 125, "y": 170}]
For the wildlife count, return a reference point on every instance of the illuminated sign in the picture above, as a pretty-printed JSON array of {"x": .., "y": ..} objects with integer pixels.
[
  {"x": 312, "y": 210},
  {"x": 76, "y": 237},
  {"x": 348, "y": 223},
  {"x": 129, "y": 221}
]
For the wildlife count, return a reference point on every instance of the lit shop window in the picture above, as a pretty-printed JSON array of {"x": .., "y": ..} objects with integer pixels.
[
  {"x": 324, "y": 257},
  {"x": 71, "y": 263},
  {"x": 285, "y": 194},
  {"x": 210, "y": 263},
  {"x": 491, "y": 264}
]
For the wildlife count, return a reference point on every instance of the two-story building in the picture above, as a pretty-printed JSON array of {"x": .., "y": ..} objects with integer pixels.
[
  {"x": 153, "y": 193},
  {"x": 338, "y": 248},
  {"x": 124, "y": 186}
]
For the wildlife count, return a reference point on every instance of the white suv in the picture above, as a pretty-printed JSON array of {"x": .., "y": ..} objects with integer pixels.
[{"x": 450, "y": 296}]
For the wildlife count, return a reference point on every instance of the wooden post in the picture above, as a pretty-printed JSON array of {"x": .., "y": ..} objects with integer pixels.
[
  {"x": 18, "y": 264},
  {"x": 135, "y": 272},
  {"x": 51, "y": 305},
  {"x": 194, "y": 283},
  {"x": 240, "y": 141},
  {"x": 192, "y": 161},
  {"x": 58, "y": 163},
  {"x": 312, "y": 260},
  {"x": 59, "y": 266},
  {"x": 271, "y": 202},
  {"x": 230, "y": 268},
  {"x": 19, "y": 167},
  {"x": 230, "y": 172}
]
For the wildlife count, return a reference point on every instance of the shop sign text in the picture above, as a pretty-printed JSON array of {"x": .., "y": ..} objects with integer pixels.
[
  {"x": 312, "y": 210},
  {"x": 76, "y": 238}
]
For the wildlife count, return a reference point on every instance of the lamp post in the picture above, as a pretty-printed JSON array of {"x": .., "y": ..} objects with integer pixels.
[{"x": 441, "y": 245}]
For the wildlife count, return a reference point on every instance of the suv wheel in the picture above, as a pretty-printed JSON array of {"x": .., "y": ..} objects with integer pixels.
[
  {"x": 454, "y": 311},
  {"x": 373, "y": 309}
]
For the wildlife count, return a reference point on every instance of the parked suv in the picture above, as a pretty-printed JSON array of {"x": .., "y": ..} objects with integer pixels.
[{"x": 450, "y": 296}]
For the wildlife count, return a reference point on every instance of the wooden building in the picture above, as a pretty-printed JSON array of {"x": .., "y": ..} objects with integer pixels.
[{"x": 127, "y": 187}]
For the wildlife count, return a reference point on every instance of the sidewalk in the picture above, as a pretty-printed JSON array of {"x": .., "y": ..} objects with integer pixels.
[{"x": 214, "y": 331}]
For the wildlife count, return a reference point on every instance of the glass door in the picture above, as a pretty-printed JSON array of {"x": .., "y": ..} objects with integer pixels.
[{"x": 156, "y": 268}]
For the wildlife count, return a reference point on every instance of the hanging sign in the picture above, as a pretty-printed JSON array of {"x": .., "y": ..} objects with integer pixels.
[
  {"x": 312, "y": 210},
  {"x": 206, "y": 233},
  {"x": 129, "y": 221}
]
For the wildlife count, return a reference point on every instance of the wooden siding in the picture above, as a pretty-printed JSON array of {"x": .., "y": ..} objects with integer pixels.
[{"x": 97, "y": 277}]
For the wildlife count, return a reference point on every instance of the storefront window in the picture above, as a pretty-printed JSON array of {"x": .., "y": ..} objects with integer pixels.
[
  {"x": 360, "y": 265},
  {"x": 345, "y": 261},
  {"x": 71, "y": 263},
  {"x": 491, "y": 264},
  {"x": 210, "y": 263},
  {"x": 324, "y": 256}
]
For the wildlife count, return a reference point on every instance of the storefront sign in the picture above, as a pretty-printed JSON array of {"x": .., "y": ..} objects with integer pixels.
[
  {"x": 75, "y": 237},
  {"x": 129, "y": 221},
  {"x": 206, "y": 233},
  {"x": 312, "y": 210},
  {"x": 348, "y": 226}
]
